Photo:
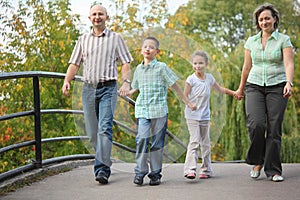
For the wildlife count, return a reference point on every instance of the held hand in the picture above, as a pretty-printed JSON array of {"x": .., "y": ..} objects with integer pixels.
[
  {"x": 65, "y": 88},
  {"x": 131, "y": 92},
  {"x": 238, "y": 94},
  {"x": 192, "y": 106},
  {"x": 124, "y": 89}
]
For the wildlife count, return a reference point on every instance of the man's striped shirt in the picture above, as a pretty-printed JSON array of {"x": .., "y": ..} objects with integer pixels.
[{"x": 99, "y": 56}]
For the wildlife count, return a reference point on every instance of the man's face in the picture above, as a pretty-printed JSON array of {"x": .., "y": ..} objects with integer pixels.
[{"x": 98, "y": 16}]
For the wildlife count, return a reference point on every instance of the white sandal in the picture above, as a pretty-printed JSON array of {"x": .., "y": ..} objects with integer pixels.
[
  {"x": 277, "y": 178},
  {"x": 255, "y": 174}
]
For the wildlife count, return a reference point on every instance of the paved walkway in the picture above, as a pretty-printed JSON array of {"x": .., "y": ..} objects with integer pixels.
[{"x": 230, "y": 181}]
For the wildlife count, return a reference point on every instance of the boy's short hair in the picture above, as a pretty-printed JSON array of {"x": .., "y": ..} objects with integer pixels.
[{"x": 153, "y": 39}]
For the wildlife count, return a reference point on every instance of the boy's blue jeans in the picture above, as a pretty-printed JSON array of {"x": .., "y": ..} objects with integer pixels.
[
  {"x": 157, "y": 129},
  {"x": 99, "y": 105}
]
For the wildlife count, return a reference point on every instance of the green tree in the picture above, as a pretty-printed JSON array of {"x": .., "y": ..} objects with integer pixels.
[
  {"x": 137, "y": 14},
  {"x": 228, "y": 23},
  {"x": 37, "y": 36}
]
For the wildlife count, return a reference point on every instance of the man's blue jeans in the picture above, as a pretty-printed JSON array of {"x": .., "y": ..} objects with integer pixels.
[
  {"x": 99, "y": 105},
  {"x": 158, "y": 128}
]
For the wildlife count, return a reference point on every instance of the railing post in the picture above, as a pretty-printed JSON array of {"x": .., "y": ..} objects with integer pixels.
[{"x": 37, "y": 122}]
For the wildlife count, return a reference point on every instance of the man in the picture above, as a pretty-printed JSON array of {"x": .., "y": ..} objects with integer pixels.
[{"x": 98, "y": 52}]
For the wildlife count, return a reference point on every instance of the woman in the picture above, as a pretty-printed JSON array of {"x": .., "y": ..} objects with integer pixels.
[{"x": 267, "y": 76}]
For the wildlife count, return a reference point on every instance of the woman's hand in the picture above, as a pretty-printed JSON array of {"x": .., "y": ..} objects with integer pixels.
[
  {"x": 238, "y": 94},
  {"x": 287, "y": 90}
]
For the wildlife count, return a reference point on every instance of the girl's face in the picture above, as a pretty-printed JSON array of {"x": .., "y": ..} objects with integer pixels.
[
  {"x": 266, "y": 21},
  {"x": 199, "y": 64}
]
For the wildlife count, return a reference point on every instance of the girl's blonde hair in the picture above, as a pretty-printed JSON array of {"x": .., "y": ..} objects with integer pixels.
[{"x": 203, "y": 54}]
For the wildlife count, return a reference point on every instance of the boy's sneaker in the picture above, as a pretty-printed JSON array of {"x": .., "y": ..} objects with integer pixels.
[
  {"x": 154, "y": 181},
  {"x": 138, "y": 180},
  {"x": 102, "y": 178}
]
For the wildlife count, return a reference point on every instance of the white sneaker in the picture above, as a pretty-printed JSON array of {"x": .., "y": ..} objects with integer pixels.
[{"x": 277, "y": 178}]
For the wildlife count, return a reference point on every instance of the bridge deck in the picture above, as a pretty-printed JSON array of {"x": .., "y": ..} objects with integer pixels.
[{"x": 230, "y": 181}]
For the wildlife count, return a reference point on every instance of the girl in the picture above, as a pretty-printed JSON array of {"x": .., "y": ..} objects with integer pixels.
[{"x": 197, "y": 90}]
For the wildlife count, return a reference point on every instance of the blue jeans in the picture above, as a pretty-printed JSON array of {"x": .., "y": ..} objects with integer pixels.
[
  {"x": 158, "y": 128},
  {"x": 99, "y": 105}
]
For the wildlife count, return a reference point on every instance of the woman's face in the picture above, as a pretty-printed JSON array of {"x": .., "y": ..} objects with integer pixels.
[{"x": 266, "y": 21}]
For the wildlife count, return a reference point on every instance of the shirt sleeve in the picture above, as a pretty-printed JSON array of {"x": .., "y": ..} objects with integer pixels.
[
  {"x": 123, "y": 52},
  {"x": 135, "y": 84},
  {"x": 287, "y": 42},
  {"x": 77, "y": 54},
  {"x": 212, "y": 79},
  {"x": 248, "y": 43},
  {"x": 170, "y": 76},
  {"x": 189, "y": 80}
]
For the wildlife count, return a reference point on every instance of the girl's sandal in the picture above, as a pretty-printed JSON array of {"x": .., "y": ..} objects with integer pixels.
[{"x": 191, "y": 175}]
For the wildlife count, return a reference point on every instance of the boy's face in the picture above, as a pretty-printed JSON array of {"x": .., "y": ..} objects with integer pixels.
[
  {"x": 199, "y": 64},
  {"x": 149, "y": 49},
  {"x": 98, "y": 16}
]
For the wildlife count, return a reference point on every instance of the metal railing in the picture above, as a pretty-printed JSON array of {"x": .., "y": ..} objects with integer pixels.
[{"x": 38, "y": 162}]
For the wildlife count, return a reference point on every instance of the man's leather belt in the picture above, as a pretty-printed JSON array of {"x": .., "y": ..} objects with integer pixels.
[{"x": 106, "y": 83}]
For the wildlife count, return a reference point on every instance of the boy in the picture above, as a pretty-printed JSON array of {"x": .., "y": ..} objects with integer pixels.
[{"x": 152, "y": 79}]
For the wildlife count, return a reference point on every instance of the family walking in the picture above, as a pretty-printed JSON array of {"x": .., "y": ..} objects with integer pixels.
[{"x": 266, "y": 84}]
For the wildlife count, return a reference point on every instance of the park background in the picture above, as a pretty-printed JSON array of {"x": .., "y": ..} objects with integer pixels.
[{"x": 39, "y": 35}]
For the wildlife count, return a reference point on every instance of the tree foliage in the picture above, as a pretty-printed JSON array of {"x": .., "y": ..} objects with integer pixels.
[
  {"x": 136, "y": 14},
  {"x": 36, "y": 36},
  {"x": 228, "y": 23},
  {"x": 39, "y": 35}
]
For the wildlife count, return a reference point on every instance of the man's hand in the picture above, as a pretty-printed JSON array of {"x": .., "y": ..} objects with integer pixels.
[
  {"x": 65, "y": 88},
  {"x": 124, "y": 89}
]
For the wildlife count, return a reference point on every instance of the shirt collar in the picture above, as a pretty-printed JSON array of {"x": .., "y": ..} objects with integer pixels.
[
  {"x": 151, "y": 64},
  {"x": 273, "y": 35},
  {"x": 105, "y": 32}
]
